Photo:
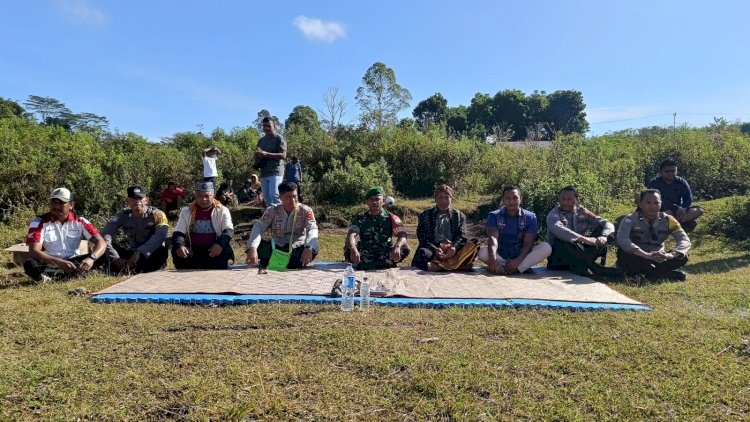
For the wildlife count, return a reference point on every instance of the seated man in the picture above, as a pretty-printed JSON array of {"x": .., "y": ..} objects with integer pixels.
[
  {"x": 641, "y": 237},
  {"x": 171, "y": 198},
  {"x": 294, "y": 229},
  {"x": 201, "y": 239},
  {"x": 375, "y": 227},
  {"x": 441, "y": 231},
  {"x": 512, "y": 232},
  {"x": 677, "y": 198},
  {"x": 246, "y": 195},
  {"x": 225, "y": 195},
  {"x": 578, "y": 237},
  {"x": 54, "y": 240},
  {"x": 145, "y": 229}
]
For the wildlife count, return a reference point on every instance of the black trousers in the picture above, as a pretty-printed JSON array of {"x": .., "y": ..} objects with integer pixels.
[
  {"x": 200, "y": 260},
  {"x": 573, "y": 257},
  {"x": 377, "y": 265},
  {"x": 155, "y": 262},
  {"x": 34, "y": 268},
  {"x": 636, "y": 265},
  {"x": 295, "y": 260}
]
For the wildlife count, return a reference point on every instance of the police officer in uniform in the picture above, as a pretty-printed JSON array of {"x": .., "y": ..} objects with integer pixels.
[
  {"x": 375, "y": 228},
  {"x": 288, "y": 220},
  {"x": 641, "y": 237},
  {"x": 578, "y": 237},
  {"x": 144, "y": 228}
]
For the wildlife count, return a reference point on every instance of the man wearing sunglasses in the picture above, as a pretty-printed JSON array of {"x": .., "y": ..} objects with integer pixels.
[
  {"x": 641, "y": 237},
  {"x": 677, "y": 198}
]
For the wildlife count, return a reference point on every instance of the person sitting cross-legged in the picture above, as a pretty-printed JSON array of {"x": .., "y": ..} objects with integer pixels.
[
  {"x": 144, "y": 230},
  {"x": 54, "y": 241},
  {"x": 202, "y": 236},
  {"x": 294, "y": 230},
  {"x": 641, "y": 237},
  {"x": 578, "y": 237},
  {"x": 441, "y": 230},
  {"x": 512, "y": 232},
  {"x": 376, "y": 228}
]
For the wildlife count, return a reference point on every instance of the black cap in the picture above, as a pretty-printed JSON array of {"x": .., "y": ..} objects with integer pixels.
[{"x": 137, "y": 192}]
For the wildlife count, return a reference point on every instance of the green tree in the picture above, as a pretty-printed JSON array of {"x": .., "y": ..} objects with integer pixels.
[
  {"x": 305, "y": 117},
  {"x": 49, "y": 109},
  {"x": 565, "y": 112},
  {"x": 745, "y": 128},
  {"x": 380, "y": 97},
  {"x": 479, "y": 114},
  {"x": 10, "y": 108},
  {"x": 509, "y": 112},
  {"x": 431, "y": 111},
  {"x": 457, "y": 121}
]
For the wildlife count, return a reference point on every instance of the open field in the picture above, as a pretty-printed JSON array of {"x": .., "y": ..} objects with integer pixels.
[{"x": 63, "y": 357}]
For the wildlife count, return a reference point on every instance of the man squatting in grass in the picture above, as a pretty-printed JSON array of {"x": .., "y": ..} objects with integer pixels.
[
  {"x": 677, "y": 198},
  {"x": 641, "y": 238},
  {"x": 512, "y": 232},
  {"x": 441, "y": 230},
  {"x": 201, "y": 239},
  {"x": 54, "y": 240},
  {"x": 578, "y": 237},
  {"x": 145, "y": 228},
  {"x": 375, "y": 227},
  {"x": 289, "y": 220}
]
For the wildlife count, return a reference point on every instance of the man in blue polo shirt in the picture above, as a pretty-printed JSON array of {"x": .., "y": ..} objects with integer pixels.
[
  {"x": 512, "y": 233},
  {"x": 677, "y": 198}
]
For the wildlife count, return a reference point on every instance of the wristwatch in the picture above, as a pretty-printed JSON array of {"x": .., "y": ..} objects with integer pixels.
[{"x": 93, "y": 256}]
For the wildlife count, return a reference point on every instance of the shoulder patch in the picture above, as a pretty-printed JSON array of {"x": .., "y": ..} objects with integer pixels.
[
  {"x": 267, "y": 216},
  {"x": 672, "y": 223},
  {"x": 35, "y": 223},
  {"x": 160, "y": 219}
]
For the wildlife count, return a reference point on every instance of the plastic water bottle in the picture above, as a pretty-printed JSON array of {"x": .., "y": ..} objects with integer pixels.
[
  {"x": 348, "y": 286},
  {"x": 364, "y": 295}
]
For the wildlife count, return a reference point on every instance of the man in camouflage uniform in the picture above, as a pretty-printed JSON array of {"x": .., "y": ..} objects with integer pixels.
[
  {"x": 144, "y": 230},
  {"x": 375, "y": 227},
  {"x": 578, "y": 237},
  {"x": 641, "y": 238}
]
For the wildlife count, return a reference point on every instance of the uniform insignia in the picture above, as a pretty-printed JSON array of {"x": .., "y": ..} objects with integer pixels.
[
  {"x": 267, "y": 217},
  {"x": 310, "y": 216},
  {"x": 160, "y": 219}
]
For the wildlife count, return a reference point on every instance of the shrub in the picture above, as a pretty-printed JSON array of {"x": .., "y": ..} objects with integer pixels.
[
  {"x": 347, "y": 184},
  {"x": 734, "y": 221}
]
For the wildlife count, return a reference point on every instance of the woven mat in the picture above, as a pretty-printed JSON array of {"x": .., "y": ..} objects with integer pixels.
[{"x": 405, "y": 282}]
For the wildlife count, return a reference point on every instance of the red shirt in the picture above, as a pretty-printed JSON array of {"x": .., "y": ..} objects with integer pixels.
[
  {"x": 202, "y": 234},
  {"x": 169, "y": 196}
]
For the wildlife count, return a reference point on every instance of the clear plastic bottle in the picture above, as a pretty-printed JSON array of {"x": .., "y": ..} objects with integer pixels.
[
  {"x": 348, "y": 285},
  {"x": 364, "y": 295}
]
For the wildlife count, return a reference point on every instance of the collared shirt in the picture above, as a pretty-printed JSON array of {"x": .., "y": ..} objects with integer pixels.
[
  {"x": 302, "y": 231},
  {"x": 637, "y": 232},
  {"x": 61, "y": 240},
  {"x": 375, "y": 234},
  {"x": 570, "y": 226},
  {"x": 512, "y": 230},
  {"x": 442, "y": 227},
  {"x": 145, "y": 233}
]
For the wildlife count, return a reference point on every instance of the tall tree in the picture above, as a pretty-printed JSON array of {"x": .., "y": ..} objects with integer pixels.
[
  {"x": 537, "y": 127},
  {"x": 305, "y": 117},
  {"x": 565, "y": 112},
  {"x": 479, "y": 115},
  {"x": 509, "y": 112},
  {"x": 334, "y": 108},
  {"x": 433, "y": 110},
  {"x": 50, "y": 110},
  {"x": 457, "y": 121},
  {"x": 258, "y": 122},
  {"x": 380, "y": 97}
]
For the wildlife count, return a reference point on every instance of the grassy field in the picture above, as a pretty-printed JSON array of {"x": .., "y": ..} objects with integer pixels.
[{"x": 63, "y": 357}]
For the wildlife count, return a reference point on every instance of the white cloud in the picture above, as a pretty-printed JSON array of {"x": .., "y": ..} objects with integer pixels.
[
  {"x": 320, "y": 30},
  {"x": 80, "y": 11}
]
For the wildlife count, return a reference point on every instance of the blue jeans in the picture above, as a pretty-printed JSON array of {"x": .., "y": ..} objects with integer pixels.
[{"x": 270, "y": 187}]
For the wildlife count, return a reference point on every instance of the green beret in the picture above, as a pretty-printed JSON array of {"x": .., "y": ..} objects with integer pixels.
[{"x": 374, "y": 191}]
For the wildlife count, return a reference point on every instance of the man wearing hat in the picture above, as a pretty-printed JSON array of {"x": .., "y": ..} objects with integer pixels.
[
  {"x": 201, "y": 239},
  {"x": 375, "y": 227},
  {"x": 144, "y": 228},
  {"x": 54, "y": 241}
]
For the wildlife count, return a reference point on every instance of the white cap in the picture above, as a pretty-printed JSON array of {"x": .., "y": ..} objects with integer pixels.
[{"x": 61, "y": 194}]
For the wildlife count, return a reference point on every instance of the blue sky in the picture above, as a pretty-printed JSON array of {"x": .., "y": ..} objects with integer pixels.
[{"x": 160, "y": 67}]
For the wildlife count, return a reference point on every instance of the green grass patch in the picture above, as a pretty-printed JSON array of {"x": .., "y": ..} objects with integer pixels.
[{"x": 63, "y": 357}]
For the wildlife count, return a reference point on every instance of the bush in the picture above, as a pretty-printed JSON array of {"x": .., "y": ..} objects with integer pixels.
[
  {"x": 347, "y": 184},
  {"x": 734, "y": 221}
]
